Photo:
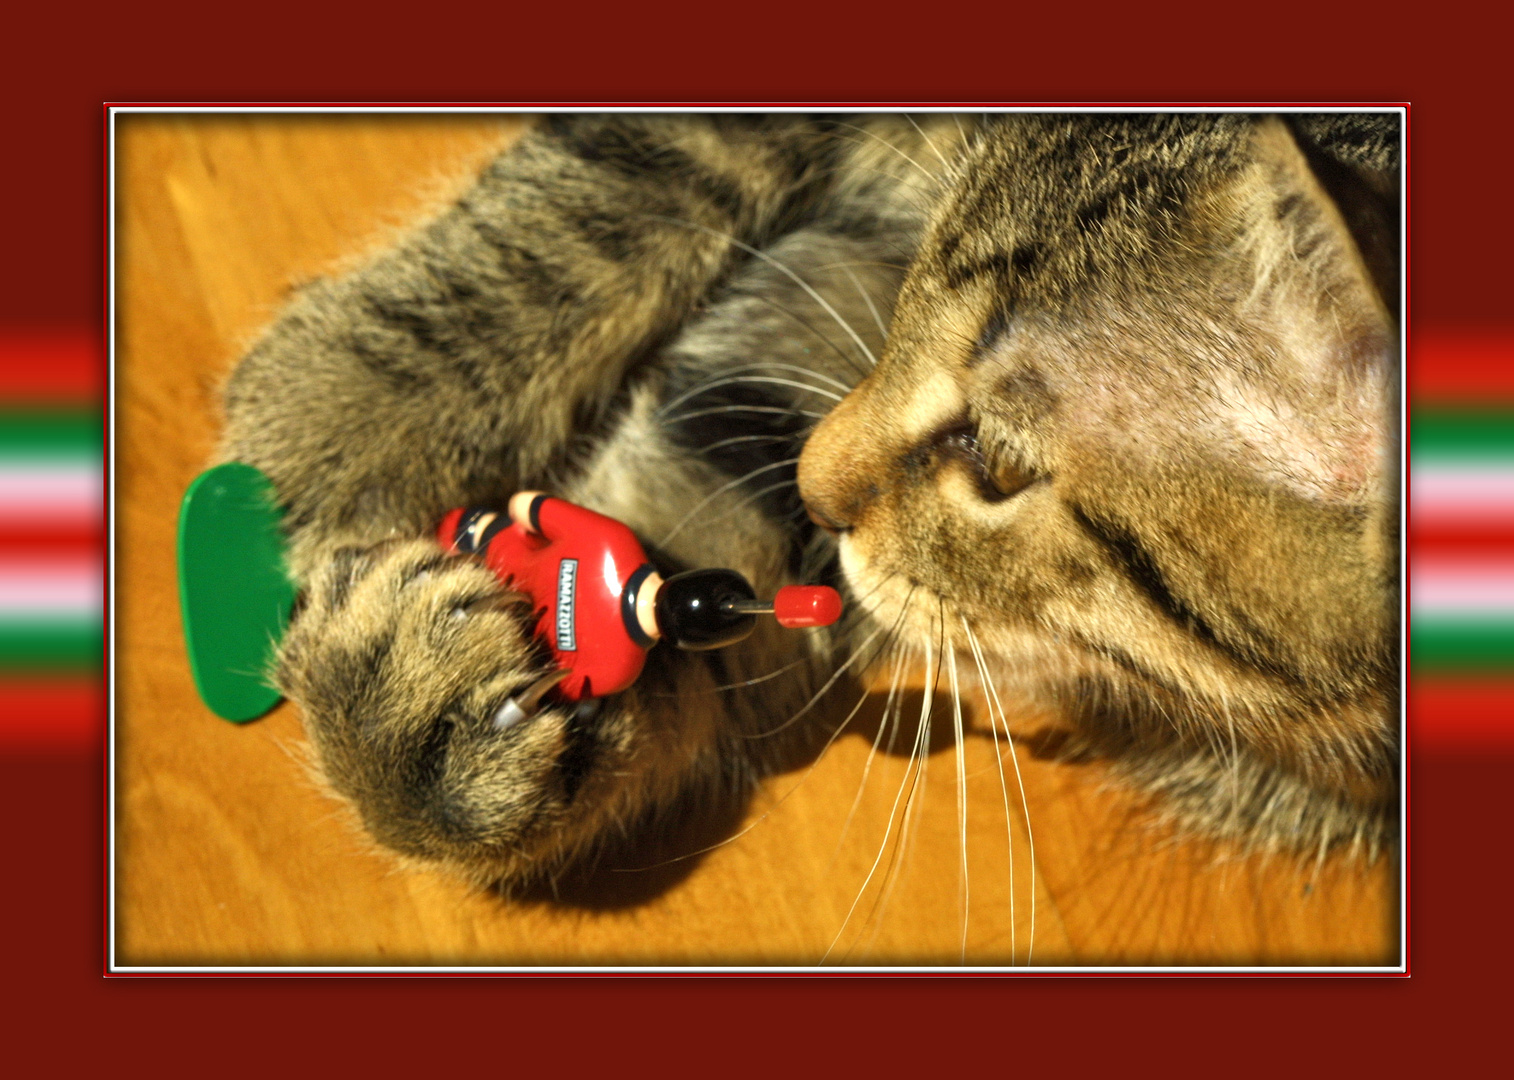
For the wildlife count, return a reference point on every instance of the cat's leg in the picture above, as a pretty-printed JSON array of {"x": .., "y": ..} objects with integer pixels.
[{"x": 463, "y": 363}]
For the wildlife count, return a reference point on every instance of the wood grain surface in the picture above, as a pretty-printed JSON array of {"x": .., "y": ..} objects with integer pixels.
[{"x": 227, "y": 853}]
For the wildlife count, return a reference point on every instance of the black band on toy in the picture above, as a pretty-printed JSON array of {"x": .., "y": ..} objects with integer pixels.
[
  {"x": 628, "y": 598},
  {"x": 462, "y": 540},
  {"x": 533, "y": 515}
]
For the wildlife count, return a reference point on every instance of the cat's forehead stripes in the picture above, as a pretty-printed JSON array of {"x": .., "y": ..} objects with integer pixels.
[{"x": 1052, "y": 206}]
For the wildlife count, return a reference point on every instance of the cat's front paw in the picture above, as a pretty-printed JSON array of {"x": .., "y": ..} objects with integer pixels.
[{"x": 403, "y": 660}]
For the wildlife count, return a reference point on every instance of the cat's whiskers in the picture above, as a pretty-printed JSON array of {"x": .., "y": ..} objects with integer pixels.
[
  {"x": 719, "y": 409},
  {"x": 909, "y": 189},
  {"x": 721, "y": 490},
  {"x": 846, "y": 358},
  {"x": 901, "y": 267},
  {"x": 840, "y": 670},
  {"x": 793, "y": 275},
  {"x": 781, "y": 268},
  {"x": 753, "y": 497},
  {"x": 867, "y": 768},
  {"x": 866, "y": 299},
  {"x": 835, "y": 733},
  {"x": 911, "y": 769},
  {"x": 892, "y": 639},
  {"x": 944, "y": 163},
  {"x": 963, "y": 883},
  {"x": 1009, "y": 839},
  {"x": 913, "y": 814},
  {"x": 858, "y": 612},
  {"x": 730, "y": 380},
  {"x": 1235, "y": 761},
  {"x": 733, "y": 440},
  {"x": 930, "y": 177}
]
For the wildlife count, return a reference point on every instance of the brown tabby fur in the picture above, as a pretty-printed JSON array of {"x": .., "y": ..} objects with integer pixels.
[{"x": 1131, "y": 425}]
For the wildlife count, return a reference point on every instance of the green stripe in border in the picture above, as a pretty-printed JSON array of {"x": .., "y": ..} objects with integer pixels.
[
  {"x": 51, "y": 433},
  {"x": 1485, "y": 644},
  {"x": 75, "y": 646},
  {"x": 1464, "y": 435}
]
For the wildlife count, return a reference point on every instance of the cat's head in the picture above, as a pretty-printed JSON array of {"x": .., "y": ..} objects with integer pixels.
[{"x": 1134, "y": 427}]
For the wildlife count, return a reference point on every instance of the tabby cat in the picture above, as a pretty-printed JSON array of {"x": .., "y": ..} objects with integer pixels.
[{"x": 1103, "y": 403}]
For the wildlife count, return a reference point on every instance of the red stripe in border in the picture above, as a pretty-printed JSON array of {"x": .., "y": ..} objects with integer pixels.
[
  {"x": 1462, "y": 713},
  {"x": 40, "y": 367},
  {"x": 1461, "y": 368},
  {"x": 46, "y": 544},
  {"x": 1445, "y": 366},
  {"x": 1461, "y": 547},
  {"x": 39, "y": 713},
  {"x": 1444, "y": 713}
]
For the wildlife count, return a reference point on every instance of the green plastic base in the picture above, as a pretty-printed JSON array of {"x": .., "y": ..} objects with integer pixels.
[{"x": 233, "y": 588}]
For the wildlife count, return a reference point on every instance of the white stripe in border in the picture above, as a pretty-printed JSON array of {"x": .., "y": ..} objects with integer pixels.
[
  {"x": 1442, "y": 586},
  {"x": 1464, "y": 489},
  {"x": 37, "y": 492},
  {"x": 50, "y": 591}
]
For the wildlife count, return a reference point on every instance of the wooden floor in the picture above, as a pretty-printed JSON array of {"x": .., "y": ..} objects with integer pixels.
[{"x": 226, "y": 855}]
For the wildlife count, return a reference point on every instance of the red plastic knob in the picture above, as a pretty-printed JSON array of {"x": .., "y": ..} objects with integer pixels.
[{"x": 806, "y": 605}]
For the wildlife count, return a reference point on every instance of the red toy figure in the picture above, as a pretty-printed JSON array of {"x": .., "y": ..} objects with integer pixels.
[{"x": 602, "y": 603}]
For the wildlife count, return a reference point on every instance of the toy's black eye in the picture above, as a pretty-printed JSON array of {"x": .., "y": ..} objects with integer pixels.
[
  {"x": 477, "y": 527},
  {"x": 694, "y": 613}
]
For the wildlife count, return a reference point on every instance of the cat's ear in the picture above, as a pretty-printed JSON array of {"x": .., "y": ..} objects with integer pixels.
[
  {"x": 1355, "y": 157},
  {"x": 1367, "y": 143},
  {"x": 1322, "y": 253}
]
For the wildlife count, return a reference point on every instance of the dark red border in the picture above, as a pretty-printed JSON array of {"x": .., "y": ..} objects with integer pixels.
[
  {"x": 760, "y": 975},
  {"x": 61, "y": 67}
]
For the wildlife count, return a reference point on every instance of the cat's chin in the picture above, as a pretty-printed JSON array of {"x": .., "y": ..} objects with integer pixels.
[{"x": 1023, "y": 659}]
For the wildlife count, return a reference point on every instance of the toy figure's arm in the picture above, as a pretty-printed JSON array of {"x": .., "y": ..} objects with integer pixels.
[
  {"x": 558, "y": 519},
  {"x": 375, "y": 402}
]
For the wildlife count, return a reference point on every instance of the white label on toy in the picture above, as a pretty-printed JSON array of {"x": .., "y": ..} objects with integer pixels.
[{"x": 567, "y": 578}]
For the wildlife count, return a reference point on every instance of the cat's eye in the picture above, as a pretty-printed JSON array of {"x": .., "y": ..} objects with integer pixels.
[
  {"x": 998, "y": 478},
  {"x": 1007, "y": 476}
]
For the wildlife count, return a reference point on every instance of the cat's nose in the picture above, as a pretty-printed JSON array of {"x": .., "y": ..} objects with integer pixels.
[{"x": 837, "y": 470}]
